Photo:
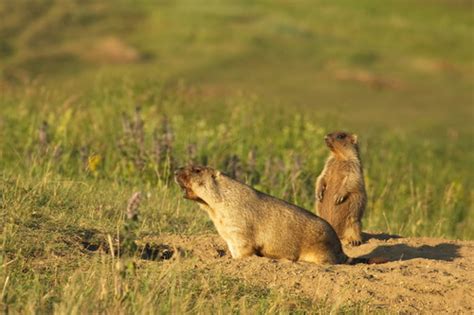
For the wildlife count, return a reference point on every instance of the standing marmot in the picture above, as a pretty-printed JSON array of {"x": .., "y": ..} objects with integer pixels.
[
  {"x": 252, "y": 222},
  {"x": 340, "y": 188}
]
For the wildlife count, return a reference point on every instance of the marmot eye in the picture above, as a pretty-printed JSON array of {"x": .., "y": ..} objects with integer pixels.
[
  {"x": 341, "y": 136},
  {"x": 197, "y": 170}
]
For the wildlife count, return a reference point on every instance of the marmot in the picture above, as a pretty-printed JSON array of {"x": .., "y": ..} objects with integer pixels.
[
  {"x": 254, "y": 223},
  {"x": 340, "y": 188}
]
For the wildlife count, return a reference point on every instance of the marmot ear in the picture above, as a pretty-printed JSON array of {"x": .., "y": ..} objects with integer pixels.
[{"x": 354, "y": 139}]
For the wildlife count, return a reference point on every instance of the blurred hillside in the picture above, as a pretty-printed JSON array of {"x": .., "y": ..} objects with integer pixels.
[{"x": 397, "y": 64}]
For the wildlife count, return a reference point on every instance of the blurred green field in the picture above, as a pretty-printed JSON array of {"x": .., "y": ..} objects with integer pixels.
[{"x": 102, "y": 99}]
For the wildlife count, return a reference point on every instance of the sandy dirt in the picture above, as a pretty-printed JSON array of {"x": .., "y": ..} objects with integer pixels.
[{"x": 424, "y": 275}]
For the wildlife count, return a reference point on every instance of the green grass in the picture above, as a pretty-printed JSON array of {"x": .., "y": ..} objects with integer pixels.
[{"x": 247, "y": 87}]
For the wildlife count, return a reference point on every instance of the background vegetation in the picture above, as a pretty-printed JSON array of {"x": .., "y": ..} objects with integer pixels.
[{"x": 101, "y": 99}]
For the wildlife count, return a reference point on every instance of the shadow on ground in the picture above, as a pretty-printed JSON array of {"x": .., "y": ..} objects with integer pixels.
[
  {"x": 93, "y": 241},
  {"x": 444, "y": 251},
  {"x": 379, "y": 236}
]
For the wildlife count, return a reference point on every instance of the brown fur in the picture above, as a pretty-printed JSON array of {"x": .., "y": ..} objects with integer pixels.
[
  {"x": 340, "y": 188},
  {"x": 254, "y": 223}
]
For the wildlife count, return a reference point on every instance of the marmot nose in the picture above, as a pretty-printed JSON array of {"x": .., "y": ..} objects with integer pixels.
[{"x": 326, "y": 137}]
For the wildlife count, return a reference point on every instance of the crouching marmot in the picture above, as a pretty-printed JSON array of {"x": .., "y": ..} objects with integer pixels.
[
  {"x": 340, "y": 189},
  {"x": 252, "y": 222}
]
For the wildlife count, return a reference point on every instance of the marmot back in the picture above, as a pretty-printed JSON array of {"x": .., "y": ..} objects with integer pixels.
[{"x": 340, "y": 189}]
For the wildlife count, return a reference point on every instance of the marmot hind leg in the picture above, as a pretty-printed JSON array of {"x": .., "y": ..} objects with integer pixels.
[
  {"x": 320, "y": 255},
  {"x": 317, "y": 259},
  {"x": 353, "y": 234}
]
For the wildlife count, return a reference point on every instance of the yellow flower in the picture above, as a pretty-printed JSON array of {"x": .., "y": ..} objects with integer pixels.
[{"x": 93, "y": 163}]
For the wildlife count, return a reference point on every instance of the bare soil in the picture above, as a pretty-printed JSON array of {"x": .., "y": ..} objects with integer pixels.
[{"x": 424, "y": 275}]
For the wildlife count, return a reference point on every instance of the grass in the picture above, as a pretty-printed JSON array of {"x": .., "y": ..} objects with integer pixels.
[{"x": 247, "y": 87}]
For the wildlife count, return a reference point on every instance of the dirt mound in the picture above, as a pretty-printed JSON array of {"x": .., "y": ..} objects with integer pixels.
[
  {"x": 422, "y": 275},
  {"x": 112, "y": 50}
]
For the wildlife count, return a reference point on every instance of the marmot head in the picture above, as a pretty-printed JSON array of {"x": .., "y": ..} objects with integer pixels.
[
  {"x": 343, "y": 144},
  {"x": 200, "y": 183}
]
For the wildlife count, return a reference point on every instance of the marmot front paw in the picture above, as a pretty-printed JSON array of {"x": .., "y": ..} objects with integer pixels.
[
  {"x": 320, "y": 194},
  {"x": 338, "y": 199}
]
